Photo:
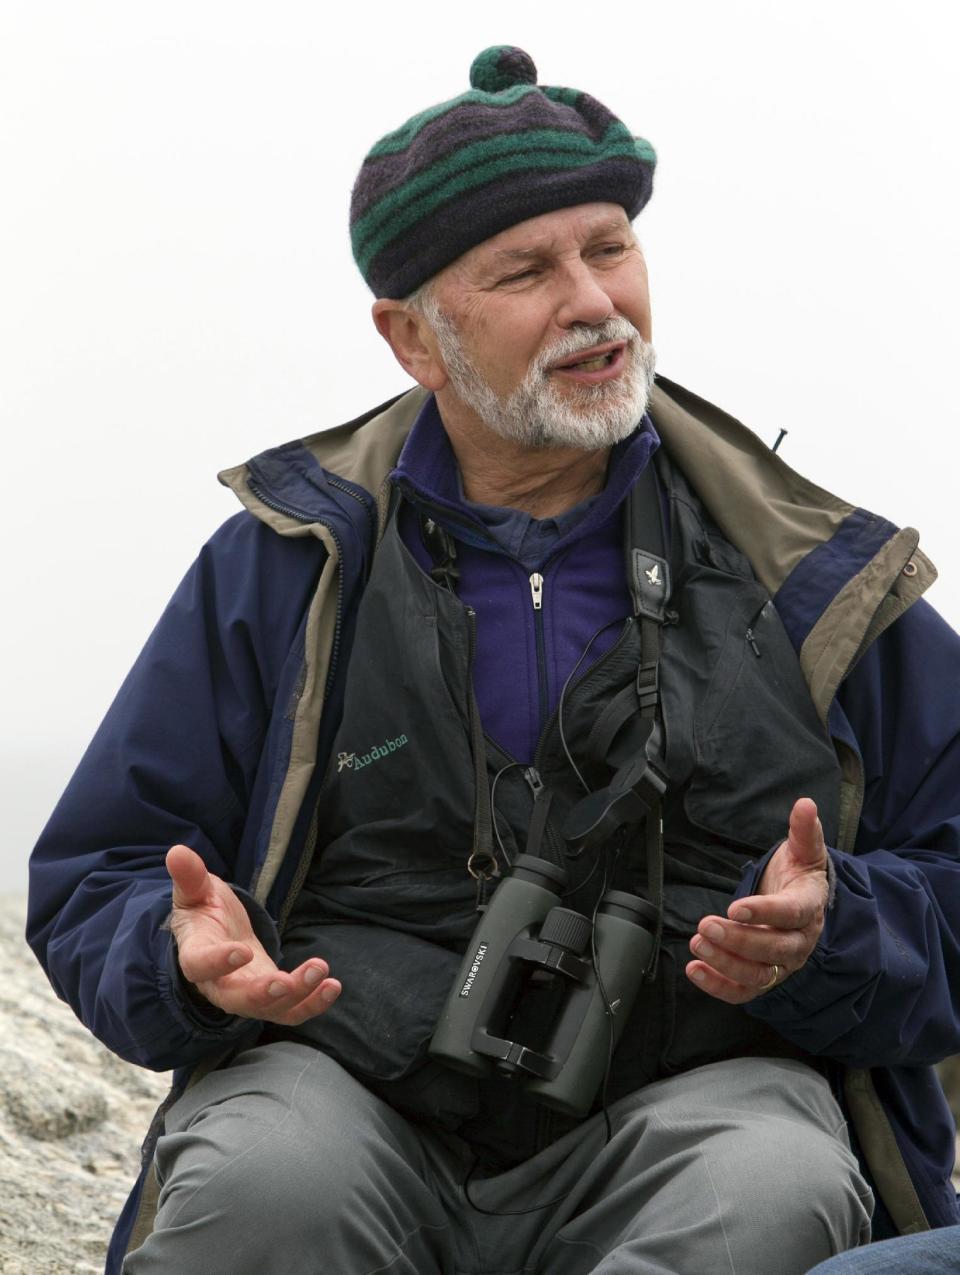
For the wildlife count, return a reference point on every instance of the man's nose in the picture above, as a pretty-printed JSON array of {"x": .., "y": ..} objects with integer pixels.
[{"x": 584, "y": 298}]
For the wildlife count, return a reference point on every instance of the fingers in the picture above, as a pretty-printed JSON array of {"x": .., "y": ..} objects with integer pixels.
[
  {"x": 293, "y": 998},
  {"x": 202, "y": 963},
  {"x": 747, "y": 974},
  {"x": 716, "y": 984},
  {"x": 321, "y": 1000},
  {"x": 271, "y": 994},
  {"x": 189, "y": 875},
  {"x": 736, "y": 963},
  {"x": 748, "y": 959}
]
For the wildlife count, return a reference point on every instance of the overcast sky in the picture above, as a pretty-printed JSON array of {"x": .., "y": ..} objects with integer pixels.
[{"x": 177, "y": 292}]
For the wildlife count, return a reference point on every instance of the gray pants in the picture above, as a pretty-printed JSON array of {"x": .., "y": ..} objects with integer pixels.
[{"x": 283, "y": 1163}]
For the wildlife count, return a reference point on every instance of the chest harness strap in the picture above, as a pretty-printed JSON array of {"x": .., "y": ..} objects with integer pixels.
[{"x": 627, "y": 733}]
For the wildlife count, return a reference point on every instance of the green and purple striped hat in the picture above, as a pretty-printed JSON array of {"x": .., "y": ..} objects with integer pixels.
[{"x": 464, "y": 170}]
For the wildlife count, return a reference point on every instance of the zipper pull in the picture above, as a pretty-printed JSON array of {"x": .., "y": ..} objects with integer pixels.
[
  {"x": 532, "y": 776},
  {"x": 536, "y": 590},
  {"x": 753, "y": 643}
]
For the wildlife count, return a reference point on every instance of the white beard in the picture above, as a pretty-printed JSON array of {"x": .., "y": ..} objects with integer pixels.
[{"x": 538, "y": 413}]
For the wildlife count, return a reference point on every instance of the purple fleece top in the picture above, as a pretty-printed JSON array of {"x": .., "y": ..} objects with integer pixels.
[{"x": 524, "y": 656}]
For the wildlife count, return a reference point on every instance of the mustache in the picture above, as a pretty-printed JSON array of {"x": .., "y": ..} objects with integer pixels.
[{"x": 615, "y": 329}]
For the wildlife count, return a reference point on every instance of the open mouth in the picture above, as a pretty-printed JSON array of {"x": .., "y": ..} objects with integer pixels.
[
  {"x": 594, "y": 364},
  {"x": 592, "y": 361}
]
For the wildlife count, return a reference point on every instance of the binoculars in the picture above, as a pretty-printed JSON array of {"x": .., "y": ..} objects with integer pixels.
[{"x": 543, "y": 992}]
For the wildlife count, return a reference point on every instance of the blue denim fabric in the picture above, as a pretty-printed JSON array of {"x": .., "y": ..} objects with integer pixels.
[{"x": 932, "y": 1253}]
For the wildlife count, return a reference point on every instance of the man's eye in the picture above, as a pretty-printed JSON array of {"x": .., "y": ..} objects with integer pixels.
[
  {"x": 520, "y": 276},
  {"x": 612, "y": 249}
]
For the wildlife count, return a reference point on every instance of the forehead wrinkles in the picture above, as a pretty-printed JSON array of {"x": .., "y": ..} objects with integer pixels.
[
  {"x": 579, "y": 234},
  {"x": 491, "y": 258}
]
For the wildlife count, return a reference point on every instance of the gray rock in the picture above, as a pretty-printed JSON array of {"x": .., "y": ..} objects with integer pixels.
[
  {"x": 46, "y": 1101},
  {"x": 72, "y": 1116}
]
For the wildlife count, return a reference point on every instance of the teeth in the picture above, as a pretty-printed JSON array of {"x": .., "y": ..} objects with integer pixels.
[{"x": 594, "y": 365}]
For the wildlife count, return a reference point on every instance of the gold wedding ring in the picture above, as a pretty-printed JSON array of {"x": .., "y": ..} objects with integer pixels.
[{"x": 773, "y": 982}]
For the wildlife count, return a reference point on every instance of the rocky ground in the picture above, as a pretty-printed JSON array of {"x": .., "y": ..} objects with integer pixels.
[
  {"x": 71, "y": 1119},
  {"x": 72, "y": 1116}
]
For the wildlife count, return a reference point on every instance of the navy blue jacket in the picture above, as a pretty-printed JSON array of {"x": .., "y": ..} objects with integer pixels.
[{"x": 204, "y": 745}]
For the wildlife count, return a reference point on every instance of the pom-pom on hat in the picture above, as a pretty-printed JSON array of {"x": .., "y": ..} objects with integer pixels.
[{"x": 462, "y": 171}]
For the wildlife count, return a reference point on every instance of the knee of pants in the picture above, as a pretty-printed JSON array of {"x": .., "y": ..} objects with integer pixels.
[
  {"x": 273, "y": 1177},
  {"x": 292, "y": 1153},
  {"x": 793, "y": 1176}
]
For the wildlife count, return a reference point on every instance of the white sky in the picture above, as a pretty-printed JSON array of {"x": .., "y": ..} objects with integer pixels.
[{"x": 177, "y": 292}]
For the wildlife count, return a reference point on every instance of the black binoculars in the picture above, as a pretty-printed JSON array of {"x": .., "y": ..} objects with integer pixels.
[{"x": 542, "y": 987}]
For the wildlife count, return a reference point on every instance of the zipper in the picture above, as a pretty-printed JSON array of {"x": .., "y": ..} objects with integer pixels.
[
  {"x": 483, "y": 814},
  {"x": 547, "y": 838},
  {"x": 750, "y": 637},
  {"x": 532, "y": 776},
  {"x": 292, "y": 512},
  {"x": 482, "y": 848},
  {"x": 310, "y": 842},
  {"x": 536, "y": 596},
  {"x": 558, "y": 845},
  {"x": 341, "y": 486},
  {"x": 589, "y": 672},
  {"x": 303, "y": 867}
]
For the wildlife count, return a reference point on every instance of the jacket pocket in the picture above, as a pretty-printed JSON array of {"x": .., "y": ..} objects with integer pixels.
[{"x": 758, "y": 743}]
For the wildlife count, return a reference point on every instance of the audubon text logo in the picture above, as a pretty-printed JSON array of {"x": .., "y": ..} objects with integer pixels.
[{"x": 357, "y": 761}]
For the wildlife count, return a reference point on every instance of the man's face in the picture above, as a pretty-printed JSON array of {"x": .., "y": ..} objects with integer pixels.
[{"x": 544, "y": 329}]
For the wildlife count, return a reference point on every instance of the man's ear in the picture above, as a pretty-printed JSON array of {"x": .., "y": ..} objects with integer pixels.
[{"x": 410, "y": 337}]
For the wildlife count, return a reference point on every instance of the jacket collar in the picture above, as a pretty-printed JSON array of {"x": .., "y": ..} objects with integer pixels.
[{"x": 839, "y": 574}]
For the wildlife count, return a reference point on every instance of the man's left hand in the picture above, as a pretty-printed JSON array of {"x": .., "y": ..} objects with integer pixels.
[{"x": 770, "y": 935}]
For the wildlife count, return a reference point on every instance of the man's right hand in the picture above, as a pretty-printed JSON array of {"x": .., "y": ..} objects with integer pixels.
[{"x": 222, "y": 957}]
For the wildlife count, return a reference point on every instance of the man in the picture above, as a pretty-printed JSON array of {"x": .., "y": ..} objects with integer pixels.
[{"x": 449, "y": 630}]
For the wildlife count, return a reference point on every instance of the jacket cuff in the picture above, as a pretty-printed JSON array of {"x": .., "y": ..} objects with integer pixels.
[{"x": 194, "y": 1007}]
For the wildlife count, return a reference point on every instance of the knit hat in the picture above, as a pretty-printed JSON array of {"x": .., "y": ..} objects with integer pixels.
[{"x": 464, "y": 170}]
